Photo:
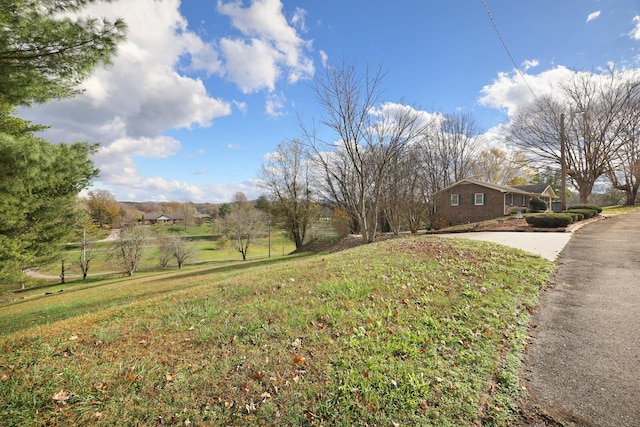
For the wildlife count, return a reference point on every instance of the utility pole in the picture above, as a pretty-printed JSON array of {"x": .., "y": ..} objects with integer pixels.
[{"x": 563, "y": 167}]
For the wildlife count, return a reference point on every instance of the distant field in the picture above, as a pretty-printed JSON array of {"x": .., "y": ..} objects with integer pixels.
[
  {"x": 206, "y": 249},
  {"x": 408, "y": 331}
]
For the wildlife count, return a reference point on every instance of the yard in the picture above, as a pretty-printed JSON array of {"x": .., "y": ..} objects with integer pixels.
[{"x": 408, "y": 331}]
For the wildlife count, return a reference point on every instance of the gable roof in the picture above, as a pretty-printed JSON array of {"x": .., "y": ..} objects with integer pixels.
[
  {"x": 533, "y": 189},
  {"x": 497, "y": 187}
]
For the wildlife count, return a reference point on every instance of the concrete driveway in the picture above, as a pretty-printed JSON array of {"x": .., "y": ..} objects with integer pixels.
[{"x": 547, "y": 245}]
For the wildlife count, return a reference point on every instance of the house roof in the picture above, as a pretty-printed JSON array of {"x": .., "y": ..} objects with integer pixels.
[
  {"x": 157, "y": 216},
  {"x": 533, "y": 188},
  {"x": 497, "y": 187},
  {"x": 537, "y": 189}
]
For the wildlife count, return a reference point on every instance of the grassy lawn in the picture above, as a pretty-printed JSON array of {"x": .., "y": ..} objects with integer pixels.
[
  {"x": 409, "y": 331},
  {"x": 206, "y": 250},
  {"x": 620, "y": 209}
]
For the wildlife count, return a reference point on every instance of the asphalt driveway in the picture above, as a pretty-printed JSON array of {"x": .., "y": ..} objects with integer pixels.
[{"x": 583, "y": 363}]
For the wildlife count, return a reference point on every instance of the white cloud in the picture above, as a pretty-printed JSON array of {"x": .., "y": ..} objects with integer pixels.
[
  {"x": 269, "y": 44},
  {"x": 635, "y": 33},
  {"x": 241, "y": 106},
  {"x": 593, "y": 16},
  {"x": 530, "y": 63},
  {"x": 509, "y": 92},
  {"x": 251, "y": 66},
  {"x": 234, "y": 147},
  {"x": 274, "y": 105},
  {"x": 324, "y": 58},
  {"x": 298, "y": 19}
]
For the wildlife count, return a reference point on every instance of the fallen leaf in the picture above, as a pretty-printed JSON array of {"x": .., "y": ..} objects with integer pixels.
[
  {"x": 264, "y": 396},
  {"x": 61, "y": 397},
  {"x": 6, "y": 376},
  {"x": 171, "y": 376},
  {"x": 298, "y": 360},
  {"x": 73, "y": 337}
]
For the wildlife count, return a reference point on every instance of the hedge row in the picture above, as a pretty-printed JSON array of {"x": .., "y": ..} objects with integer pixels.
[
  {"x": 550, "y": 220},
  {"x": 593, "y": 207},
  {"x": 586, "y": 213},
  {"x": 574, "y": 214}
]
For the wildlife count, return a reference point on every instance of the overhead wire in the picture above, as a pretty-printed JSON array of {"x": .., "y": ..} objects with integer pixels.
[{"x": 506, "y": 48}]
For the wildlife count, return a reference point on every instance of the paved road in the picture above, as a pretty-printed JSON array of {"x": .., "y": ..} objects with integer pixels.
[{"x": 583, "y": 364}]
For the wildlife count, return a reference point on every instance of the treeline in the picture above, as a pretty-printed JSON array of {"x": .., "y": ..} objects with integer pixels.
[{"x": 379, "y": 162}]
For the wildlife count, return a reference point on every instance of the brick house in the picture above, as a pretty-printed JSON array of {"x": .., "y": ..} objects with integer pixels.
[
  {"x": 158, "y": 218},
  {"x": 469, "y": 201}
]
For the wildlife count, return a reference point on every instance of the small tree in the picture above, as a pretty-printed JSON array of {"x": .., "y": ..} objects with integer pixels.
[
  {"x": 242, "y": 224},
  {"x": 181, "y": 249},
  {"x": 129, "y": 247},
  {"x": 88, "y": 252},
  {"x": 287, "y": 179}
]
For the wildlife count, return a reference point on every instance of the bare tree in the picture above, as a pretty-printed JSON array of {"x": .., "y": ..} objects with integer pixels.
[
  {"x": 457, "y": 143},
  {"x": 88, "y": 252},
  {"x": 447, "y": 150},
  {"x": 242, "y": 224},
  {"x": 586, "y": 114},
  {"x": 287, "y": 178},
  {"x": 177, "y": 247},
  {"x": 129, "y": 247},
  {"x": 364, "y": 141},
  {"x": 624, "y": 164},
  {"x": 402, "y": 199}
]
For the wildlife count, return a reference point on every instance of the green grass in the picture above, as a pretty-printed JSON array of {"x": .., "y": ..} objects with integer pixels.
[
  {"x": 206, "y": 250},
  {"x": 620, "y": 209},
  {"x": 410, "y": 331}
]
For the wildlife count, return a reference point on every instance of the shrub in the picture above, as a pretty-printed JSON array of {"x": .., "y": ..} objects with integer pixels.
[
  {"x": 588, "y": 213},
  {"x": 550, "y": 220},
  {"x": 575, "y": 215},
  {"x": 538, "y": 205},
  {"x": 593, "y": 207}
]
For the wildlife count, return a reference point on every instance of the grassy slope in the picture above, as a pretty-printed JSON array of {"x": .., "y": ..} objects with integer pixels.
[{"x": 413, "y": 331}]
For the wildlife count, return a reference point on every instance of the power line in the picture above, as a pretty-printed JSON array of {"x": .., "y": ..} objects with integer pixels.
[{"x": 506, "y": 48}]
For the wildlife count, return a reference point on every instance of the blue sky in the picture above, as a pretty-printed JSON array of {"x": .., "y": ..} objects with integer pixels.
[{"x": 203, "y": 90}]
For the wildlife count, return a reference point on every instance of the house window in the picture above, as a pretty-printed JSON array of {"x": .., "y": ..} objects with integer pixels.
[
  {"x": 455, "y": 200},
  {"x": 478, "y": 199},
  {"x": 511, "y": 199}
]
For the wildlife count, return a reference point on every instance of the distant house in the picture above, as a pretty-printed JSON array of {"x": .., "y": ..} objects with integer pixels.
[
  {"x": 160, "y": 218},
  {"x": 201, "y": 218},
  {"x": 469, "y": 201}
]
